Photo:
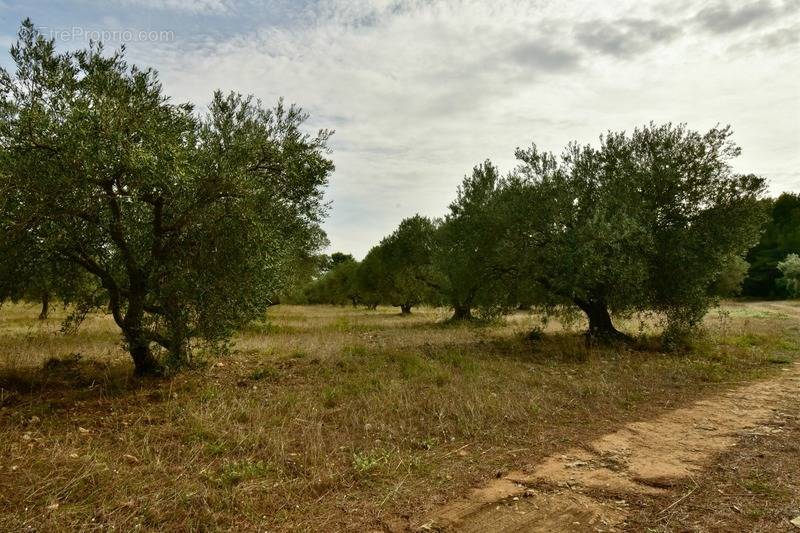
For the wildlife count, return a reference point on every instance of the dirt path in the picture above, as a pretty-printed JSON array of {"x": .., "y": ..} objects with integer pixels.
[{"x": 585, "y": 489}]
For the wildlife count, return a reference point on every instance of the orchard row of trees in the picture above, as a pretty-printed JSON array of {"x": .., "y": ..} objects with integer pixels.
[
  {"x": 185, "y": 225},
  {"x": 655, "y": 220}
]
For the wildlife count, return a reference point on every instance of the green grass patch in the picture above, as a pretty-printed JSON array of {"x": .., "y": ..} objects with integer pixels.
[{"x": 236, "y": 472}]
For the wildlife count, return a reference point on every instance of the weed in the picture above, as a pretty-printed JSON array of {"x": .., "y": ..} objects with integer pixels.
[
  {"x": 264, "y": 372},
  {"x": 234, "y": 473},
  {"x": 330, "y": 397},
  {"x": 367, "y": 462}
]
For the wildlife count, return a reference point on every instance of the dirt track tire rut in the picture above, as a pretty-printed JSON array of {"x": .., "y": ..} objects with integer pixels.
[{"x": 584, "y": 489}]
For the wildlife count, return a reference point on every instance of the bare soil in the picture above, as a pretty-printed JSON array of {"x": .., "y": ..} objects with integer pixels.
[
  {"x": 754, "y": 486},
  {"x": 587, "y": 488}
]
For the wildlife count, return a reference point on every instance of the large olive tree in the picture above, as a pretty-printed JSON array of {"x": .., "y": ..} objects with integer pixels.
[
  {"x": 188, "y": 222},
  {"x": 646, "y": 221}
]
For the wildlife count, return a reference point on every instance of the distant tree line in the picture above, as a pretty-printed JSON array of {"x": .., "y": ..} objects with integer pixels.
[{"x": 779, "y": 240}]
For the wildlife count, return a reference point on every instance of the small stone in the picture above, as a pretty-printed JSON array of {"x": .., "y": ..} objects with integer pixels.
[
  {"x": 795, "y": 522},
  {"x": 576, "y": 464}
]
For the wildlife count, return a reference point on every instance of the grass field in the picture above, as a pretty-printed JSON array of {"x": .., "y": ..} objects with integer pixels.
[{"x": 328, "y": 418}]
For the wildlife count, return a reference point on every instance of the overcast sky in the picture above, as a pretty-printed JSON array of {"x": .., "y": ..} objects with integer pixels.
[{"x": 420, "y": 91}]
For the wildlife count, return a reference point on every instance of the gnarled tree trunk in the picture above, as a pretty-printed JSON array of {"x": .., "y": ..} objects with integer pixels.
[
  {"x": 601, "y": 328},
  {"x": 145, "y": 364},
  {"x": 462, "y": 312},
  {"x": 135, "y": 335}
]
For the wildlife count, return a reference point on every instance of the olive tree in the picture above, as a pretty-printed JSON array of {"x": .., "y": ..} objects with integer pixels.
[
  {"x": 398, "y": 271},
  {"x": 372, "y": 280},
  {"x": 464, "y": 255},
  {"x": 646, "y": 221},
  {"x": 731, "y": 277},
  {"x": 339, "y": 285},
  {"x": 189, "y": 222},
  {"x": 781, "y": 237}
]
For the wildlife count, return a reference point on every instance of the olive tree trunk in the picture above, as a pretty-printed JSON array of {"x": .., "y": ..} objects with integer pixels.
[
  {"x": 45, "y": 306},
  {"x": 132, "y": 325},
  {"x": 462, "y": 312},
  {"x": 145, "y": 364},
  {"x": 601, "y": 327}
]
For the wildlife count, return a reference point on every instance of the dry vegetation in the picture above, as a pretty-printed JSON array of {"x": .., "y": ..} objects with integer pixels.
[{"x": 328, "y": 418}]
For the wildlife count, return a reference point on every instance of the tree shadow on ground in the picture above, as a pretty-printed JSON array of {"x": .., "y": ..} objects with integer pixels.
[{"x": 71, "y": 377}]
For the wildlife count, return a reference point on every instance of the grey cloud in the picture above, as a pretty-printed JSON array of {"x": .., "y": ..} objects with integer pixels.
[
  {"x": 545, "y": 56},
  {"x": 722, "y": 18},
  {"x": 624, "y": 37},
  {"x": 773, "y": 40},
  {"x": 782, "y": 37},
  {"x": 466, "y": 86}
]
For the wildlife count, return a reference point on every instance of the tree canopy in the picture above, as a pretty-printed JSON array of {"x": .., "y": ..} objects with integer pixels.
[
  {"x": 646, "y": 221},
  {"x": 338, "y": 284},
  {"x": 398, "y": 271},
  {"x": 188, "y": 223},
  {"x": 464, "y": 256},
  {"x": 654, "y": 220},
  {"x": 790, "y": 275},
  {"x": 185, "y": 225}
]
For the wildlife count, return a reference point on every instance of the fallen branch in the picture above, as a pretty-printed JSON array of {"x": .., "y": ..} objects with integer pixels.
[{"x": 679, "y": 500}]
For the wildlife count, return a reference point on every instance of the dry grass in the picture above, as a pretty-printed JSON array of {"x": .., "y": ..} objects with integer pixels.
[{"x": 326, "y": 418}]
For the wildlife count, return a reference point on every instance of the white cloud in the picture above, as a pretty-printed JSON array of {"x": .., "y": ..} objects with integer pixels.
[
  {"x": 191, "y": 6},
  {"x": 420, "y": 91}
]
